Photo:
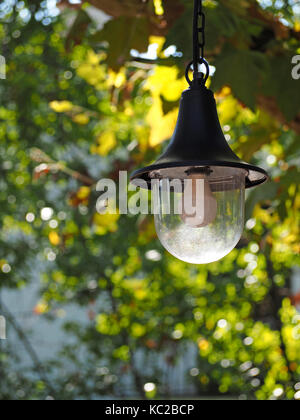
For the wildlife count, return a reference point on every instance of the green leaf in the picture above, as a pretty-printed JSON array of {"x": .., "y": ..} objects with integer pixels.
[
  {"x": 280, "y": 85},
  {"x": 260, "y": 134},
  {"x": 243, "y": 71},
  {"x": 78, "y": 29},
  {"x": 168, "y": 106},
  {"x": 293, "y": 149},
  {"x": 123, "y": 34},
  {"x": 219, "y": 23},
  {"x": 274, "y": 190},
  {"x": 265, "y": 192},
  {"x": 181, "y": 34}
]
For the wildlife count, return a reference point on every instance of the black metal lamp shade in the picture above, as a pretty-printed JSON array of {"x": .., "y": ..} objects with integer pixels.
[{"x": 198, "y": 142}]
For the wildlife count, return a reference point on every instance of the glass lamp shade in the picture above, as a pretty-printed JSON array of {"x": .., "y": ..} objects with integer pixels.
[
  {"x": 212, "y": 227},
  {"x": 198, "y": 152}
]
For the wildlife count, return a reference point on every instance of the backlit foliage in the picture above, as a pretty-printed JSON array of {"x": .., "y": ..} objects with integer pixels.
[{"x": 77, "y": 106}]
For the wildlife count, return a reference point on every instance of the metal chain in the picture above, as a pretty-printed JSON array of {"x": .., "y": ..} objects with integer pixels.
[
  {"x": 198, "y": 46},
  {"x": 201, "y": 29},
  {"x": 199, "y": 34}
]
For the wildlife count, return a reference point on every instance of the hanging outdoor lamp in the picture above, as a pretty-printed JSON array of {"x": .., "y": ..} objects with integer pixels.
[{"x": 199, "y": 219}]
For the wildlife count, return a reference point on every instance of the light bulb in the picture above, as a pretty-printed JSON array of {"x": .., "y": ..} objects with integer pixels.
[
  {"x": 214, "y": 229},
  {"x": 199, "y": 206}
]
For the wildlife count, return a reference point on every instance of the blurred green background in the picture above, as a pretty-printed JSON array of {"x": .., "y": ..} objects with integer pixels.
[{"x": 95, "y": 308}]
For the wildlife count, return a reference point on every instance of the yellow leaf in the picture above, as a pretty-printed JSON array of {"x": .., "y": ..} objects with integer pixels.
[
  {"x": 107, "y": 141},
  {"x": 54, "y": 238},
  {"x": 159, "y": 41},
  {"x": 165, "y": 82},
  {"x": 158, "y": 7},
  {"x": 162, "y": 126},
  {"x": 228, "y": 109},
  {"x": 138, "y": 330},
  {"x": 81, "y": 119},
  {"x": 93, "y": 58},
  {"x": 83, "y": 193},
  {"x": 141, "y": 294},
  {"x": 203, "y": 344},
  {"x": 128, "y": 111},
  {"x": 41, "y": 308},
  {"x": 107, "y": 324},
  {"x": 116, "y": 79},
  {"x": 91, "y": 70},
  {"x": 105, "y": 223},
  {"x": 61, "y": 106}
]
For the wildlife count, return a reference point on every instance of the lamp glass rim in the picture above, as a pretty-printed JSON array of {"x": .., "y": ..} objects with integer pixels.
[{"x": 259, "y": 175}]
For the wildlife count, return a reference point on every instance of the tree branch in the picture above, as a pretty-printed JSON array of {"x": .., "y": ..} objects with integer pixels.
[
  {"x": 269, "y": 105},
  {"x": 39, "y": 156},
  {"x": 30, "y": 350},
  {"x": 252, "y": 12},
  {"x": 159, "y": 25}
]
